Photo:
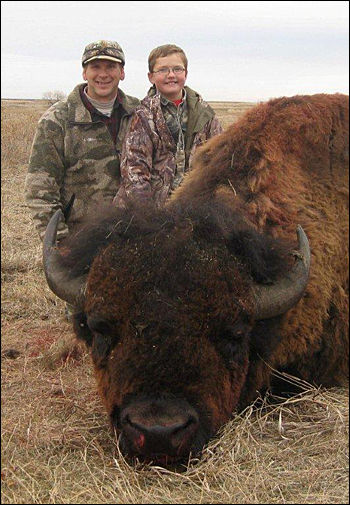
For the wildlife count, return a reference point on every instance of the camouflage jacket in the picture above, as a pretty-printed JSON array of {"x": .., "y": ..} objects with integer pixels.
[
  {"x": 72, "y": 153},
  {"x": 150, "y": 156}
]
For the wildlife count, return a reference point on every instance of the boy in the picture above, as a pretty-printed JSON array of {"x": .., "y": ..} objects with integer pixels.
[{"x": 171, "y": 122}]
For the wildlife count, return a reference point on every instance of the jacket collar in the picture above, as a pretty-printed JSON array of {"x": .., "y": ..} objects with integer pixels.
[
  {"x": 199, "y": 111},
  {"x": 165, "y": 101},
  {"x": 78, "y": 113}
]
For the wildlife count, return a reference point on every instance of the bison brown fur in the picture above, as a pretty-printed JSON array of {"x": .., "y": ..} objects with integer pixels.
[{"x": 168, "y": 309}]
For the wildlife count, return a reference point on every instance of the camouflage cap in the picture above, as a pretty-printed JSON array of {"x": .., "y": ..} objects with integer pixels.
[{"x": 103, "y": 49}]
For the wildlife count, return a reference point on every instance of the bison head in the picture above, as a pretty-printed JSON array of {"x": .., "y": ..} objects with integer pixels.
[{"x": 168, "y": 303}]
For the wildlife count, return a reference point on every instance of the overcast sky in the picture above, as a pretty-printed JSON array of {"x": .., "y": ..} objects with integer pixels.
[{"x": 237, "y": 51}]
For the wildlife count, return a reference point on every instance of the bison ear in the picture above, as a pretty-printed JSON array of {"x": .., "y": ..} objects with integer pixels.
[
  {"x": 265, "y": 256},
  {"x": 100, "y": 350},
  {"x": 102, "y": 339},
  {"x": 264, "y": 338}
]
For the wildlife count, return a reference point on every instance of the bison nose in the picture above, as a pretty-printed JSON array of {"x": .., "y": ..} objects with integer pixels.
[{"x": 160, "y": 437}]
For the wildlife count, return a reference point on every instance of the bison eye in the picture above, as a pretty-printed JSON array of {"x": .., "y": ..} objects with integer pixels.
[
  {"x": 234, "y": 333},
  {"x": 82, "y": 329},
  {"x": 232, "y": 341}
]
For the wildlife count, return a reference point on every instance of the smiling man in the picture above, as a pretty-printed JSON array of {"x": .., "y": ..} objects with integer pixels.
[
  {"x": 171, "y": 122},
  {"x": 78, "y": 142}
]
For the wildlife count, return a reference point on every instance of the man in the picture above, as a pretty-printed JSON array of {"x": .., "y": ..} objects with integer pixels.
[{"x": 78, "y": 142}]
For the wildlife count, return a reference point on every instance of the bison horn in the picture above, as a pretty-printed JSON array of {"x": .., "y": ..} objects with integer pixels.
[
  {"x": 272, "y": 301},
  {"x": 68, "y": 289}
]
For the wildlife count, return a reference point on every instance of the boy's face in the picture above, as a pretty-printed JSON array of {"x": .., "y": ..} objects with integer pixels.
[
  {"x": 103, "y": 78},
  {"x": 169, "y": 84}
]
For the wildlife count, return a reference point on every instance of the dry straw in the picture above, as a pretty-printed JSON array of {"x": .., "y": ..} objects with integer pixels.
[{"x": 56, "y": 443}]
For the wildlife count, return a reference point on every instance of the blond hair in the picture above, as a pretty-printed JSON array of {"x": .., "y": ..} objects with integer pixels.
[{"x": 166, "y": 50}]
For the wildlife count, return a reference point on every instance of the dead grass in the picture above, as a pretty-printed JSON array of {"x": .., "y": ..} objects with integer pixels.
[
  {"x": 228, "y": 112},
  {"x": 56, "y": 444}
]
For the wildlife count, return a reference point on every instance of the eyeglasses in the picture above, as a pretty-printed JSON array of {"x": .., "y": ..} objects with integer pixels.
[{"x": 166, "y": 70}]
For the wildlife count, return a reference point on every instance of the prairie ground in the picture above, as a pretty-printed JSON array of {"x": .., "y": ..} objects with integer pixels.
[{"x": 56, "y": 444}]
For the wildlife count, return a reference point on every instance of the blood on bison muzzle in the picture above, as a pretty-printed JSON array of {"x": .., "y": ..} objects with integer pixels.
[
  {"x": 158, "y": 428},
  {"x": 188, "y": 309}
]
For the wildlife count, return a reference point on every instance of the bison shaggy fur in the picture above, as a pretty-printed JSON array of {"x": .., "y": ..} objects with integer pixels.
[{"x": 168, "y": 309}]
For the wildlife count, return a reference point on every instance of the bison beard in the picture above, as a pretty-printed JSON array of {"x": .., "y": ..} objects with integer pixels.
[{"x": 187, "y": 309}]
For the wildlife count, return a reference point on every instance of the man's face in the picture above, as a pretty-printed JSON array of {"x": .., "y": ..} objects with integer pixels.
[
  {"x": 103, "y": 78},
  {"x": 169, "y": 84}
]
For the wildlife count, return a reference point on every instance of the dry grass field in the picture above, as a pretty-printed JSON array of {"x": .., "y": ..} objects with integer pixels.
[{"x": 56, "y": 444}]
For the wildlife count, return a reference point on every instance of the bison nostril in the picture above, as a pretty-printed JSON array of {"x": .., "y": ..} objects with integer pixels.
[
  {"x": 178, "y": 429},
  {"x": 125, "y": 420},
  {"x": 140, "y": 441},
  {"x": 182, "y": 434},
  {"x": 133, "y": 431},
  {"x": 191, "y": 421}
]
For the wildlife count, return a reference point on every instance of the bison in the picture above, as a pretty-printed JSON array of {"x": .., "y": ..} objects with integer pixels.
[{"x": 190, "y": 308}]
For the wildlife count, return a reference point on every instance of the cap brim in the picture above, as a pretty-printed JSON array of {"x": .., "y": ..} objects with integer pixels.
[{"x": 103, "y": 57}]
